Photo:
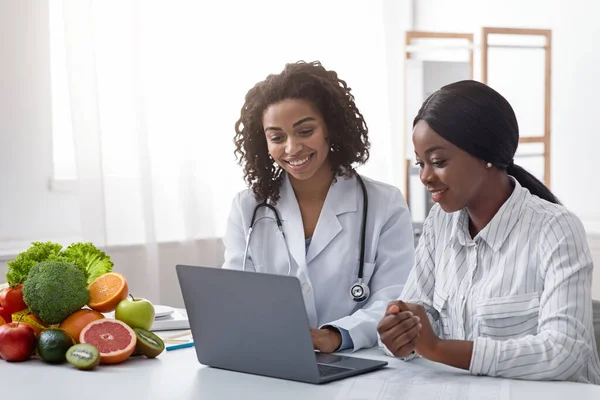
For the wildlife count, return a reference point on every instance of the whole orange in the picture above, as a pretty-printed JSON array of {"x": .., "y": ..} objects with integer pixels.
[
  {"x": 35, "y": 323},
  {"x": 75, "y": 322}
]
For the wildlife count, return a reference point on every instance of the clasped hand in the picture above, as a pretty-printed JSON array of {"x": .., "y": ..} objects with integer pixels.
[{"x": 405, "y": 328}]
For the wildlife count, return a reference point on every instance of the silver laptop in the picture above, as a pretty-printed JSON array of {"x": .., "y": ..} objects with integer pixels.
[{"x": 257, "y": 323}]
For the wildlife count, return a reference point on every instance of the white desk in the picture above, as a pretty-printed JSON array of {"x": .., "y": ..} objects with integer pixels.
[{"x": 178, "y": 375}]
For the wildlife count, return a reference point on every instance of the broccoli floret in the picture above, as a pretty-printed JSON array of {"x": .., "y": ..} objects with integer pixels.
[{"x": 54, "y": 290}]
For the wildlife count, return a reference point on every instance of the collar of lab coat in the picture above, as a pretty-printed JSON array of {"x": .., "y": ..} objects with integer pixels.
[{"x": 341, "y": 198}]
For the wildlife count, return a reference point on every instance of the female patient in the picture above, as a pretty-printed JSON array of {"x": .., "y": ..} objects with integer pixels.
[
  {"x": 503, "y": 271},
  {"x": 299, "y": 137}
]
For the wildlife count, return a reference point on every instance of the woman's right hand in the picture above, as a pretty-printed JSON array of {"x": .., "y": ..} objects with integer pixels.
[{"x": 399, "y": 329}]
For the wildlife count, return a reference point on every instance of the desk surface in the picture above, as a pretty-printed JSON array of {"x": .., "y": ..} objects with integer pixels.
[{"x": 178, "y": 375}]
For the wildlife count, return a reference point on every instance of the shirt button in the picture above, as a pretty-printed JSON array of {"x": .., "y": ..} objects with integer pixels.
[
  {"x": 462, "y": 298},
  {"x": 305, "y": 287}
]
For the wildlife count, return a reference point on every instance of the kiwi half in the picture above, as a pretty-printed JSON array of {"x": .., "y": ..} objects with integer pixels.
[
  {"x": 84, "y": 356},
  {"x": 148, "y": 343}
]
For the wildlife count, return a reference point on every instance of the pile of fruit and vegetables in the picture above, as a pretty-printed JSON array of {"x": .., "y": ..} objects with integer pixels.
[{"x": 54, "y": 304}]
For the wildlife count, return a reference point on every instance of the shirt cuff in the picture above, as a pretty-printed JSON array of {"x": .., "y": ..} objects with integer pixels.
[
  {"x": 484, "y": 360},
  {"x": 346, "y": 340},
  {"x": 387, "y": 352}
]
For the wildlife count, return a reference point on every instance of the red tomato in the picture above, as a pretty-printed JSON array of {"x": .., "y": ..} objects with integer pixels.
[{"x": 11, "y": 299}]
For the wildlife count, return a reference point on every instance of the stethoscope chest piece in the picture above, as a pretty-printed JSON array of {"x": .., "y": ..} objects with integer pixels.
[{"x": 359, "y": 292}]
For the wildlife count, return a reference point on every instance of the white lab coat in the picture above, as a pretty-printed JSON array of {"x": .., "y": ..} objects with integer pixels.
[{"x": 329, "y": 268}]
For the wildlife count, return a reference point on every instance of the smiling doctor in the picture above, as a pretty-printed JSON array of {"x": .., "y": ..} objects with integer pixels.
[{"x": 347, "y": 238}]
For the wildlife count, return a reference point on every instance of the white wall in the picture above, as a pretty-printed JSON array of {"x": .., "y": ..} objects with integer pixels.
[
  {"x": 28, "y": 210},
  {"x": 470, "y": 15},
  {"x": 575, "y": 82},
  {"x": 398, "y": 18},
  {"x": 575, "y": 119}
]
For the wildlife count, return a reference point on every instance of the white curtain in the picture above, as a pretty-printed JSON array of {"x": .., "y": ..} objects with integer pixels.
[{"x": 155, "y": 88}]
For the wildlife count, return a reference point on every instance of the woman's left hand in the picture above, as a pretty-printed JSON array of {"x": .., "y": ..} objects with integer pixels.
[
  {"x": 428, "y": 340},
  {"x": 326, "y": 340}
]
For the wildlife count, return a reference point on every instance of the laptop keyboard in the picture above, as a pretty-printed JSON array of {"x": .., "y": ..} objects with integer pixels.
[{"x": 327, "y": 370}]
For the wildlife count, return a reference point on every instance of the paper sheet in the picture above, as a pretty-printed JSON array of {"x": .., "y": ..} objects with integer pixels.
[
  {"x": 415, "y": 382},
  {"x": 177, "y": 338}
]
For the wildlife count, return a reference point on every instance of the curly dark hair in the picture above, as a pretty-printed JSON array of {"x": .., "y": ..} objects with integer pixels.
[{"x": 310, "y": 81}]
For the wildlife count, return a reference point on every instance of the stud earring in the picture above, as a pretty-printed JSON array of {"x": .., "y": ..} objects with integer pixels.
[{"x": 488, "y": 165}]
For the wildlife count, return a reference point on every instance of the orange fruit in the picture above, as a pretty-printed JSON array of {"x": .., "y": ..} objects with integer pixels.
[
  {"x": 75, "y": 322},
  {"x": 35, "y": 323},
  {"x": 114, "y": 339},
  {"x": 106, "y": 291},
  {"x": 2, "y": 321}
]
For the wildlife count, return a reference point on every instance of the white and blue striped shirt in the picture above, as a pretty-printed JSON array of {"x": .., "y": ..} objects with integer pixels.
[{"x": 520, "y": 289}]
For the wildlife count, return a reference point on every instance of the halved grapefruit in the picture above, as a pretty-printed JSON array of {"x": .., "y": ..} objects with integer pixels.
[{"x": 114, "y": 340}]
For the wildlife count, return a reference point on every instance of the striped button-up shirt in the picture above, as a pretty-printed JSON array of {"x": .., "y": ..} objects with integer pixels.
[{"x": 520, "y": 289}]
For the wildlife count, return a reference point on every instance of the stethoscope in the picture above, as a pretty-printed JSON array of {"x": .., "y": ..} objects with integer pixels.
[{"x": 359, "y": 291}]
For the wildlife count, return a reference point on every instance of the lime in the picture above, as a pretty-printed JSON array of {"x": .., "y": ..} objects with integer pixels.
[{"x": 52, "y": 345}]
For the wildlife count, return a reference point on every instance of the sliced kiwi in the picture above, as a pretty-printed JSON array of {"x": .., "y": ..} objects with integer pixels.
[
  {"x": 84, "y": 356},
  {"x": 148, "y": 343}
]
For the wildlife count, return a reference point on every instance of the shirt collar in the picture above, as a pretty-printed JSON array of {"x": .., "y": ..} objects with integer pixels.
[{"x": 498, "y": 229}]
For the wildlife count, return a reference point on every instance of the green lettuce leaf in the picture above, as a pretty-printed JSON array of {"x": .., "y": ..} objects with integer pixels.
[
  {"x": 18, "y": 269},
  {"x": 89, "y": 258}
]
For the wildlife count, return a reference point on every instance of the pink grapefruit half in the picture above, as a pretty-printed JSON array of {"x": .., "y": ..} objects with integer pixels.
[{"x": 114, "y": 340}]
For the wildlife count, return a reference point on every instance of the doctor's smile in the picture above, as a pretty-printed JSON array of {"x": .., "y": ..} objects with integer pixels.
[{"x": 299, "y": 162}]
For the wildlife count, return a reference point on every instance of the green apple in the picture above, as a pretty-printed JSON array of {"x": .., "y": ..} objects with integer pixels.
[{"x": 135, "y": 312}]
